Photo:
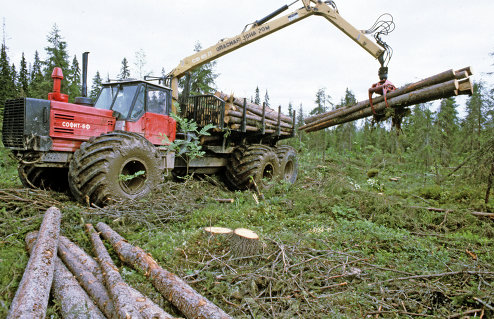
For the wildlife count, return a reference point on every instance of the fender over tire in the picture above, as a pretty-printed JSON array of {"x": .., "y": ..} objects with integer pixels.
[{"x": 116, "y": 165}]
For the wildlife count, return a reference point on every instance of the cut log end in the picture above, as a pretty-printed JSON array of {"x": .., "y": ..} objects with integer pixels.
[{"x": 218, "y": 231}]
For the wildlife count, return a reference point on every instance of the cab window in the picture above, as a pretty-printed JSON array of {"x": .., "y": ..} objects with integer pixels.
[
  {"x": 157, "y": 100},
  {"x": 138, "y": 109}
]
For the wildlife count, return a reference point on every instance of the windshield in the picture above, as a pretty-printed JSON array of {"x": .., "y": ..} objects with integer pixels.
[
  {"x": 117, "y": 98},
  {"x": 105, "y": 98},
  {"x": 124, "y": 99}
]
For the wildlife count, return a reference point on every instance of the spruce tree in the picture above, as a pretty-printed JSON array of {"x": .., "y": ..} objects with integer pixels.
[
  {"x": 36, "y": 79},
  {"x": 124, "y": 70},
  {"x": 257, "y": 99},
  {"x": 7, "y": 83},
  {"x": 23, "y": 78},
  {"x": 74, "y": 79},
  {"x": 96, "y": 87},
  {"x": 57, "y": 56},
  {"x": 300, "y": 116},
  {"x": 202, "y": 79},
  {"x": 446, "y": 127},
  {"x": 323, "y": 101},
  {"x": 474, "y": 120},
  {"x": 266, "y": 98},
  {"x": 290, "y": 109}
]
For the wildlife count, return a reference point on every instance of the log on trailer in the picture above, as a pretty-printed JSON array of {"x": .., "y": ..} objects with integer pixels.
[
  {"x": 74, "y": 301},
  {"x": 443, "y": 85},
  {"x": 31, "y": 298},
  {"x": 177, "y": 291}
]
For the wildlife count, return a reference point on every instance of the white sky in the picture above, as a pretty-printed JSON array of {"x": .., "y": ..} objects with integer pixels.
[{"x": 430, "y": 37}]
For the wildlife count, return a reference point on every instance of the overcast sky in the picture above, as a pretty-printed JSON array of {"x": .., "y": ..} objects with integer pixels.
[{"x": 292, "y": 64}]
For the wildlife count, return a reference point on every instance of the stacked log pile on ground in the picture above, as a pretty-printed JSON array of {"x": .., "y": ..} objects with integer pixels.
[
  {"x": 31, "y": 298},
  {"x": 256, "y": 118},
  {"x": 440, "y": 86},
  {"x": 177, "y": 291},
  {"x": 89, "y": 288}
]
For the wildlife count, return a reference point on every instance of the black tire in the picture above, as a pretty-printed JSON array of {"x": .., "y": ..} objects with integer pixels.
[
  {"x": 52, "y": 178},
  {"x": 96, "y": 171},
  {"x": 256, "y": 161},
  {"x": 287, "y": 157}
]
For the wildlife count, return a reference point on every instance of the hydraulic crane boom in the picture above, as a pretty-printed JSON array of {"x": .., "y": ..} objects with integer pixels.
[{"x": 262, "y": 28}]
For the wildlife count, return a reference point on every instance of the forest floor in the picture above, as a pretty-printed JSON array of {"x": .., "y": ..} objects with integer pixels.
[{"x": 336, "y": 244}]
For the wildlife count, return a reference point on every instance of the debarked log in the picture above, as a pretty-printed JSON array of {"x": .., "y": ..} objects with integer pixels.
[
  {"x": 31, "y": 298},
  {"x": 172, "y": 287},
  {"x": 74, "y": 301},
  {"x": 119, "y": 291},
  {"x": 438, "y": 91}
]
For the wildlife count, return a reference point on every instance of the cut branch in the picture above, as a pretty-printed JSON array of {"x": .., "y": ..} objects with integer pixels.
[{"x": 31, "y": 298}]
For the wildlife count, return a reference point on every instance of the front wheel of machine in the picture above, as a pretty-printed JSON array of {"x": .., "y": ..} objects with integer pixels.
[
  {"x": 287, "y": 156},
  {"x": 252, "y": 162},
  {"x": 117, "y": 165}
]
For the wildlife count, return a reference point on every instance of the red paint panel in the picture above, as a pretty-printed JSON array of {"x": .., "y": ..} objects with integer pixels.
[
  {"x": 154, "y": 126},
  {"x": 71, "y": 124}
]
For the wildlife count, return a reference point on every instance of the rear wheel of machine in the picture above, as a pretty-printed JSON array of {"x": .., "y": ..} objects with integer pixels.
[
  {"x": 247, "y": 162},
  {"x": 287, "y": 157},
  {"x": 117, "y": 165},
  {"x": 52, "y": 178}
]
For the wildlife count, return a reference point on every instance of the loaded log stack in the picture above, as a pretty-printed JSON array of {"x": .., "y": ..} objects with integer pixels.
[
  {"x": 440, "y": 86},
  {"x": 241, "y": 115}
]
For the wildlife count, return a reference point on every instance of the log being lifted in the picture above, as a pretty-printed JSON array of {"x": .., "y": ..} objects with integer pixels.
[
  {"x": 448, "y": 83},
  {"x": 31, "y": 298},
  {"x": 89, "y": 275},
  {"x": 438, "y": 91},
  {"x": 119, "y": 291},
  {"x": 74, "y": 301},
  {"x": 177, "y": 291}
]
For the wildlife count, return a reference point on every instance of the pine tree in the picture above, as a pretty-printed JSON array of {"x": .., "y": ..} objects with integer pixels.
[
  {"x": 290, "y": 109},
  {"x": 74, "y": 79},
  {"x": 124, "y": 70},
  {"x": 257, "y": 99},
  {"x": 23, "y": 78},
  {"x": 96, "y": 87},
  {"x": 201, "y": 78},
  {"x": 323, "y": 101}
]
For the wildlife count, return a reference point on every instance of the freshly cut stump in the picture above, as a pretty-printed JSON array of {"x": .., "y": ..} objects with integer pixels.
[
  {"x": 74, "y": 301},
  {"x": 244, "y": 242},
  {"x": 31, "y": 298},
  {"x": 217, "y": 231}
]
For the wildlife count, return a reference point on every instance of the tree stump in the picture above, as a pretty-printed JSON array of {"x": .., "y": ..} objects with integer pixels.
[
  {"x": 244, "y": 242},
  {"x": 217, "y": 231}
]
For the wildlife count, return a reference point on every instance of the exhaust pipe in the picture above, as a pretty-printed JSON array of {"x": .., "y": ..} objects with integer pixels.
[
  {"x": 84, "y": 74},
  {"x": 83, "y": 99}
]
